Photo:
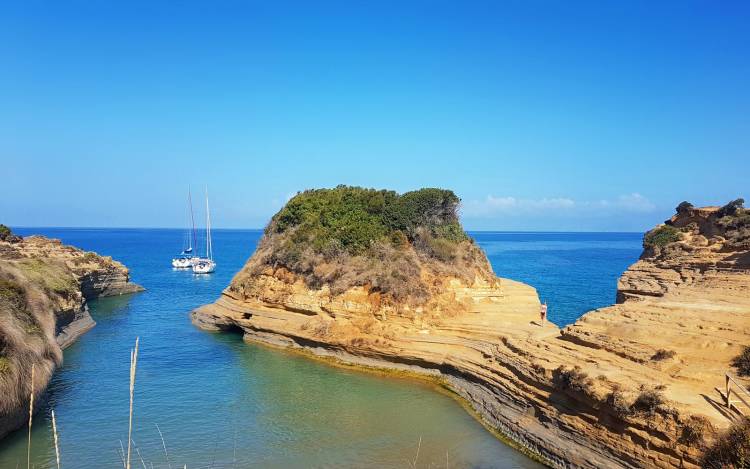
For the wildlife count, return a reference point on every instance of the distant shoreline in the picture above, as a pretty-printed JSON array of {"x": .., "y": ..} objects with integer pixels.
[{"x": 103, "y": 228}]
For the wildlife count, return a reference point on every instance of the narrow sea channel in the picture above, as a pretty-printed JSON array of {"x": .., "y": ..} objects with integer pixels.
[{"x": 221, "y": 403}]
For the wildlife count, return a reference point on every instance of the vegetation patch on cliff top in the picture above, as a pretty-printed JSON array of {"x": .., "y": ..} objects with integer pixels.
[
  {"x": 731, "y": 222},
  {"x": 7, "y": 235},
  {"x": 50, "y": 276},
  {"x": 661, "y": 236},
  {"x": 353, "y": 218},
  {"x": 351, "y": 236}
]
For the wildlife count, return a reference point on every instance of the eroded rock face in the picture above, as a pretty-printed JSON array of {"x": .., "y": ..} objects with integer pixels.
[
  {"x": 630, "y": 385},
  {"x": 44, "y": 287}
]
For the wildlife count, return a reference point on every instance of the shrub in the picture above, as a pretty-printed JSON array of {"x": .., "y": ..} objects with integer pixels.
[
  {"x": 742, "y": 362},
  {"x": 616, "y": 400},
  {"x": 7, "y": 235},
  {"x": 731, "y": 449},
  {"x": 663, "y": 354},
  {"x": 732, "y": 208},
  {"x": 357, "y": 217},
  {"x": 399, "y": 239},
  {"x": 684, "y": 207},
  {"x": 694, "y": 430},
  {"x": 573, "y": 379},
  {"x": 648, "y": 401},
  {"x": 440, "y": 248},
  {"x": 661, "y": 236}
]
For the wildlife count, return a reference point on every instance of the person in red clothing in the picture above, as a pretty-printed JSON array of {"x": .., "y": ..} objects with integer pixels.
[{"x": 543, "y": 312}]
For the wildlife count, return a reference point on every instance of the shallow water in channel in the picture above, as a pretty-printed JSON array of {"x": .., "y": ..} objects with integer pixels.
[{"x": 221, "y": 403}]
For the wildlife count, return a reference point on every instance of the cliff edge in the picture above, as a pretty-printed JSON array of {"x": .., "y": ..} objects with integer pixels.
[
  {"x": 626, "y": 386},
  {"x": 44, "y": 286}
]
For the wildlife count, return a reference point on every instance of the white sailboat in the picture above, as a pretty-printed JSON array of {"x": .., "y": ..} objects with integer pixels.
[
  {"x": 186, "y": 258},
  {"x": 206, "y": 265}
]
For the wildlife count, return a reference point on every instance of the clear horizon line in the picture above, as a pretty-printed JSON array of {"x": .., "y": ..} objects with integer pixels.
[{"x": 261, "y": 229}]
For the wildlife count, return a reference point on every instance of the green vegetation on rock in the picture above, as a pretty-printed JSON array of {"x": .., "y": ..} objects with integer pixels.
[
  {"x": 661, "y": 236},
  {"x": 52, "y": 277},
  {"x": 353, "y": 218},
  {"x": 378, "y": 239},
  {"x": 734, "y": 222}
]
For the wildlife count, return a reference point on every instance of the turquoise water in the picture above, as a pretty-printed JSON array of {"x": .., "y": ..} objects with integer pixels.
[{"x": 221, "y": 403}]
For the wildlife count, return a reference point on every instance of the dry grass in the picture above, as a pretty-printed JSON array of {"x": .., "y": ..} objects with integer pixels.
[
  {"x": 133, "y": 365},
  {"x": 731, "y": 450},
  {"x": 395, "y": 272},
  {"x": 695, "y": 430},
  {"x": 31, "y": 415},
  {"x": 27, "y": 337},
  {"x": 649, "y": 401},
  {"x": 57, "y": 445}
]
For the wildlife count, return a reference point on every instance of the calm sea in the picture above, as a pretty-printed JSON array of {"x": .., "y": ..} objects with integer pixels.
[{"x": 221, "y": 403}]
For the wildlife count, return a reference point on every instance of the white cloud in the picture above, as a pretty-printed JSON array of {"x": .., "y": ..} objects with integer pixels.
[
  {"x": 635, "y": 202},
  {"x": 493, "y": 205}
]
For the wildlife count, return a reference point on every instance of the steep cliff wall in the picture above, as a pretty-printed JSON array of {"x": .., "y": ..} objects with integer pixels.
[
  {"x": 626, "y": 386},
  {"x": 44, "y": 286}
]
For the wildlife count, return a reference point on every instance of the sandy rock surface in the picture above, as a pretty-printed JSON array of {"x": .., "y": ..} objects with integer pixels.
[{"x": 622, "y": 387}]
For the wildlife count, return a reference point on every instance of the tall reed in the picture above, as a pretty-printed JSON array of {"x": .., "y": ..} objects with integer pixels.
[
  {"x": 31, "y": 416},
  {"x": 57, "y": 447},
  {"x": 133, "y": 363},
  {"x": 164, "y": 445}
]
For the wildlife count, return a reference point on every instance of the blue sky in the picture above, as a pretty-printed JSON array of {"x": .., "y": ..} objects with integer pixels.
[{"x": 540, "y": 115}]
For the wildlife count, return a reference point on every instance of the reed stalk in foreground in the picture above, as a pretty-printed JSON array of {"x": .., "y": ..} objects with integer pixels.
[
  {"x": 31, "y": 416},
  {"x": 416, "y": 457},
  {"x": 57, "y": 447},
  {"x": 133, "y": 363},
  {"x": 164, "y": 445}
]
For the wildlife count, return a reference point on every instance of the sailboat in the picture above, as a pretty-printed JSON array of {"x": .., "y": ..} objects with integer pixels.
[
  {"x": 206, "y": 265},
  {"x": 185, "y": 259}
]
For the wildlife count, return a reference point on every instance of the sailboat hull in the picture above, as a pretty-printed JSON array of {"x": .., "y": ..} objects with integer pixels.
[
  {"x": 204, "y": 266},
  {"x": 182, "y": 262}
]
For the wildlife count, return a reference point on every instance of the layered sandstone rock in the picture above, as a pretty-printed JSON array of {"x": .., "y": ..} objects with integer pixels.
[
  {"x": 44, "y": 288},
  {"x": 631, "y": 385}
]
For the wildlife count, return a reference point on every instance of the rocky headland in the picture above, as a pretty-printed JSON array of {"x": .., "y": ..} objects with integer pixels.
[
  {"x": 376, "y": 279},
  {"x": 44, "y": 288}
]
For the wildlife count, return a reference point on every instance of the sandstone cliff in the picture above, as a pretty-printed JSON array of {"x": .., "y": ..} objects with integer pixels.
[
  {"x": 631, "y": 385},
  {"x": 44, "y": 286}
]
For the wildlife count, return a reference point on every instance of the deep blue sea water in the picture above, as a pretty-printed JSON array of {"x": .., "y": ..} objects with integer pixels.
[
  {"x": 221, "y": 403},
  {"x": 573, "y": 272}
]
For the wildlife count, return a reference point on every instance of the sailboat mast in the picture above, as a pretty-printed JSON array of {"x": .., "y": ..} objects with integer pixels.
[
  {"x": 192, "y": 219},
  {"x": 209, "y": 250}
]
